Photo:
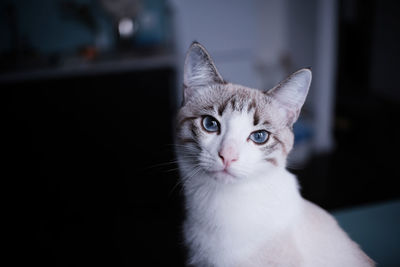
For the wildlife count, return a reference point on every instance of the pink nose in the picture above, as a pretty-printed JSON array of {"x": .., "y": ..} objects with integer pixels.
[{"x": 228, "y": 154}]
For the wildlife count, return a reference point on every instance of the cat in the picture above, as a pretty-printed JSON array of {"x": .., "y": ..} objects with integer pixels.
[{"x": 243, "y": 208}]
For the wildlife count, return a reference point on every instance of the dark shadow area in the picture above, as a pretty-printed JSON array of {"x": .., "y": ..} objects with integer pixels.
[
  {"x": 83, "y": 159},
  {"x": 363, "y": 166}
]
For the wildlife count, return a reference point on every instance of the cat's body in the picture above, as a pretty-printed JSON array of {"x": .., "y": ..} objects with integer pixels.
[{"x": 243, "y": 207}]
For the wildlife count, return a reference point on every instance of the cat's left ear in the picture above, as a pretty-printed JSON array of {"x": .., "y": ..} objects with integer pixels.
[
  {"x": 199, "y": 70},
  {"x": 291, "y": 93}
]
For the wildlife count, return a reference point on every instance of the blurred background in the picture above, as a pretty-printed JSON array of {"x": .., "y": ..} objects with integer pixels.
[{"x": 91, "y": 88}]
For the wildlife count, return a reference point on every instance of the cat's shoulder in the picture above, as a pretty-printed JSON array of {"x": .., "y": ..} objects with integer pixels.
[
  {"x": 316, "y": 214},
  {"x": 319, "y": 231}
]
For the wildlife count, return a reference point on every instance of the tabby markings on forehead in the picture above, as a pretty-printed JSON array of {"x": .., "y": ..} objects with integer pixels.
[
  {"x": 241, "y": 105},
  {"x": 251, "y": 105},
  {"x": 233, "y": 103},
  {"x": 222, "y": 107},
  {"x": 237, "y": 103},
  {"x": 210, "y": 107},
  {"x": 256, "y": 117}
]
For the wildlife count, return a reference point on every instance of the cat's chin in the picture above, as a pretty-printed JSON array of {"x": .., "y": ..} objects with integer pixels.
[{"x": 223, "y": 176}]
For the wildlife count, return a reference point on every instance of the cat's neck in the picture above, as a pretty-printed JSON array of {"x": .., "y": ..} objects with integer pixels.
[
  {"x": 272, "y": 199},
  {"x": 242, "y": 216}
]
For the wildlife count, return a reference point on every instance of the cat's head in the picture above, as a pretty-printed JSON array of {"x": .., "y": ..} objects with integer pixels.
[{"x": 232, "y": 132}]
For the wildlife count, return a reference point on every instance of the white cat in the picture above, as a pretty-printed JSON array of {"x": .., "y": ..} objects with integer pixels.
[{"x": 243, "y": 207}]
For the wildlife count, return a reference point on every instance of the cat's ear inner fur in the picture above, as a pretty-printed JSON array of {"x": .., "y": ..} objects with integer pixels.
[
  {"x": 291, "y": 93},
  {"x": 199, "y": 70}
]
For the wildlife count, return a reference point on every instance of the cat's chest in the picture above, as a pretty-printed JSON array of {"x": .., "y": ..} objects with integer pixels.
[
  {"x": 234, "y": 224},
  {"x": 232, "y": 237},
  {"x": 249, "y": 209},
  {"x": 231, "y": 223}
]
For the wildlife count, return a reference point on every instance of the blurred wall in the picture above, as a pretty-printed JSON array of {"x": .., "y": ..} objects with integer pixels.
[
  {"x": 258, "y": 43},
  {"x": 228, "y": 29}
]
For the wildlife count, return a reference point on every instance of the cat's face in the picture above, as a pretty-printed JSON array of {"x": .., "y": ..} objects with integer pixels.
[{"x": 231, "y": 132}]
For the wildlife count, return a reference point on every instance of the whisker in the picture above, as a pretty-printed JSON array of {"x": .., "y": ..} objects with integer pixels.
[
  {"x": 162, "y": 164},
  {"x": 184, "y": 179}
]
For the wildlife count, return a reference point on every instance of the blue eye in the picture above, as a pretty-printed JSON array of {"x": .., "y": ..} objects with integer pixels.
[
  {"x": 210, "y": 124},
  {"x": 259, "y": 137}
]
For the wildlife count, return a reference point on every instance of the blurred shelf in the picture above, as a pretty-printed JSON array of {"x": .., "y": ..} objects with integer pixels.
[{"x": 78, "y": 67}]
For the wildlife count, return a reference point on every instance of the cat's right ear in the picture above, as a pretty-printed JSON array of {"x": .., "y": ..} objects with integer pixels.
[{"x": 199, "y": 70}]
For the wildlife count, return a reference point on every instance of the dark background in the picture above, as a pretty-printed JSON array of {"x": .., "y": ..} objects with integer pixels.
[
  {"x": 362, "y": 168},
  {"x": 88, "y": 173},
  {"x": 83, "y": 166}
]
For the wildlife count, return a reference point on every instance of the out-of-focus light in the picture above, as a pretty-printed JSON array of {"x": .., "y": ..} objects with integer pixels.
[{"x": 126, "y": 27}]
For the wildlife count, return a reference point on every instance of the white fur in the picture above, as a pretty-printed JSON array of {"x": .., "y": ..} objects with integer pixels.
[
  {"x": 227, "y": 224},
  {"x": 249, "y": 213},
  {"x": 256, "y": 217}
]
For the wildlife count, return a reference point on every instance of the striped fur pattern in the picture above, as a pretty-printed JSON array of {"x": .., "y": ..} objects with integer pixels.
[
  {"x": 243, "y": 207},
  {"x": 227, "y": 101}
]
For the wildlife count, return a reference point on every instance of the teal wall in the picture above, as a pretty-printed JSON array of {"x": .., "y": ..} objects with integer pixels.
[
  {"x": 47, "y": 29},
  {"x": 43, "y": 25}
]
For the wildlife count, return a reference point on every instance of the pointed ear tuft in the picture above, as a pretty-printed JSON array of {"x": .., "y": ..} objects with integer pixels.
[
  {"x": 292, "y": 92},
  {"x": 199, "y": 69}
]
